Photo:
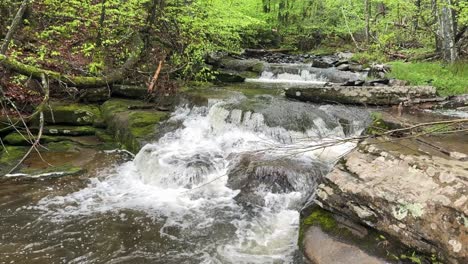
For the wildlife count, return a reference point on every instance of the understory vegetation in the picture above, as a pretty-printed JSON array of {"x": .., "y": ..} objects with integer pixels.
[{"x": 99, "y": 38}]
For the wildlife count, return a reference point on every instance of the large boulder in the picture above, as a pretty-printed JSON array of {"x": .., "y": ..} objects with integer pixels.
[
  {"x": 421, "y": 200},
  {"x": 252, "y": 173},
  {"x": 133, "y": 128},
  {"x": 370, "y": 95}
]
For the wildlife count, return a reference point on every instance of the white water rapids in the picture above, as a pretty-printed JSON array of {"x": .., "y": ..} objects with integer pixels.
[{"x": 181, "y": 182}]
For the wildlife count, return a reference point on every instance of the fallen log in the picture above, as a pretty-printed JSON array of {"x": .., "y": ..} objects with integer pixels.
[
  {"x": 367, "y": 95},
  {"x": 81, "y": 82}
]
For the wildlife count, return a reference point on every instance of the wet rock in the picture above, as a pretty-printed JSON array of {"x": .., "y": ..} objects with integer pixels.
[
  {"x": 370, "y": 95},
  {"x": 132, "y": 128},
  {"x": 343, "y": 67},
  {"x": 321, "y": 64},
  {"x": 419, "y": 199},
  {"x": 130, "y": 91},
  {"x": 68, "y": 130},
  {"x": 378, "y": 82},
  {"x": 258, "y": 172},
  {"x": 321, "y": 248},
  {"x": 246, "y": 65},
  {"x": 74, "y": 114},
  {"x": 95, "y": 95},
  {"x": 355, "y": 67},
  {"x": 10, "y": 156}
]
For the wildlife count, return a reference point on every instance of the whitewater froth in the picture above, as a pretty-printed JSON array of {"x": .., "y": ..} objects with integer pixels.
[{"x": 182, "y": 178}]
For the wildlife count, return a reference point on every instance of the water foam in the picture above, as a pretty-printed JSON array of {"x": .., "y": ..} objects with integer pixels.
[{"x": 182, "y": 179}]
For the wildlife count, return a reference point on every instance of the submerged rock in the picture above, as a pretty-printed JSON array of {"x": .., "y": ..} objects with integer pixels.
[
  {"x": 371, "y": 95},
  {"x": 420, "y": 200}
]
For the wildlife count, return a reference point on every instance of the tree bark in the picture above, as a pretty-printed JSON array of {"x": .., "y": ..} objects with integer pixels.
[
  {"x": 14, "y": 25},
  {"x": 447, "y": 32}
]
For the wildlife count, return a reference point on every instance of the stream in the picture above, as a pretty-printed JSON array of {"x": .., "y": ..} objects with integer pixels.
[{"x": 225, "y": 185}]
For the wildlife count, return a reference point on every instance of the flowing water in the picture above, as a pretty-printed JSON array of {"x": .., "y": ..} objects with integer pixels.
[
  {"x": 189, "y": 197},
  {"x": 304, "y": 74}
]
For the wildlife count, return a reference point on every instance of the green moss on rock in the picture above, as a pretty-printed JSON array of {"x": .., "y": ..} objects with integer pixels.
[
  {"x": 9, "y": 156},
  {"x": 132, "y": 128},
  {"x": 15, "y": 139},
  {"x": 72, "y": 114}
]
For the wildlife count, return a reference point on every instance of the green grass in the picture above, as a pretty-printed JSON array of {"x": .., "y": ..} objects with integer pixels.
[{"x": 448, "y": 79}]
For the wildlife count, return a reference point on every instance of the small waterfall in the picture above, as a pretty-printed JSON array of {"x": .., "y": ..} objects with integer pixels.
[
  {"x": 196, "y": 180},
  {"x": 303, "y": 74}
]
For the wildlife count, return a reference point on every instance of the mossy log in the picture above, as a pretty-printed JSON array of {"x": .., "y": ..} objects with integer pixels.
[{"x": 81, "y": 82}]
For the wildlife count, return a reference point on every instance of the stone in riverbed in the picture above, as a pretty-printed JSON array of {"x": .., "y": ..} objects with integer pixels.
[
  {"x": 370, "y": 95},
  {"x": 132, "y": 128},
  {"x": 420, "y": 200},
  {"x": 130, "y": 91},
  {"x": 321, "y": 248},
  {"x": 74, "y": 114}
]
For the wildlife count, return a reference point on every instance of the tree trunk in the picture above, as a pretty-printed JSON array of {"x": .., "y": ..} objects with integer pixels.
[
  {"x": 447, "y": 32},
  {"x": 14, "y": 25},
  {"x": 367, "y": 8}
]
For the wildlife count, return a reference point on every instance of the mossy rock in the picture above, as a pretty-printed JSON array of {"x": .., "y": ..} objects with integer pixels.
[
  {"x": 15, "y": 139},
  {"x": 69, "y": 130},
  {"x": 131, "y": 128},
  {"x": 62, "y": 146},
  {"x": 72, "y": 114},
  {"x": 10, "y": 156},
  {"x": 130, "y": 91},
  {"x": 366, "y": 238}
]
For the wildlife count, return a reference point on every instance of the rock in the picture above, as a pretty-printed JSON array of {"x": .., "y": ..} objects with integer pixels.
[
  {"x": 248, "y": 65},
  {"x": 343, "y": 67},
  {"x": 378, "y": 82},
  {"x": 132, "y": 128},
  {"x": 369, "y": 95},
  {"x": 273, "y": 175},
  {"x": 419, "y": 199},
  {"x": 228, "y": 77},
  {"x": 396, "y": 82},
  {"x": 74, "y": 114},
  {"x": 10, "y": 156},
  {"x": 379, "y": 70},
  {"x": 321, "y": 248},
  {"x": 95, "y": 95},
  {"x": 456, "y": 101},
  {"x": 68, "y": 130},
  {"x": 130, "y": 91},
  {"x": 345, "y": 55},
  {"x": 355, "y": 67},
  {"x": 321, "y": 64},
  {"x": 16, "y": 139},
  {"x": 459, "y": 156}
]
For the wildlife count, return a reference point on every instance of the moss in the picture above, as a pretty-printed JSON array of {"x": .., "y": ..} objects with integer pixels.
[
  {"x": 9, "y": 156},
  {"x": 118, "y": 105},
  {"x": 131, "y": 128},
  {"x": 322, "y": 218},
  {"x": 15, "y": 139},
  {"x": 70, "y": 130},
  {"x": 72, "y": 114},
  {"x": 63, "y": 146}
]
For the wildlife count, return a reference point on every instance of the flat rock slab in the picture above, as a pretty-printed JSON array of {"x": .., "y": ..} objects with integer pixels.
[
  {"x": 321, "y": 248},
  {"x": 369, "y": 95},
  {"x": 421, "y": 200}
]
